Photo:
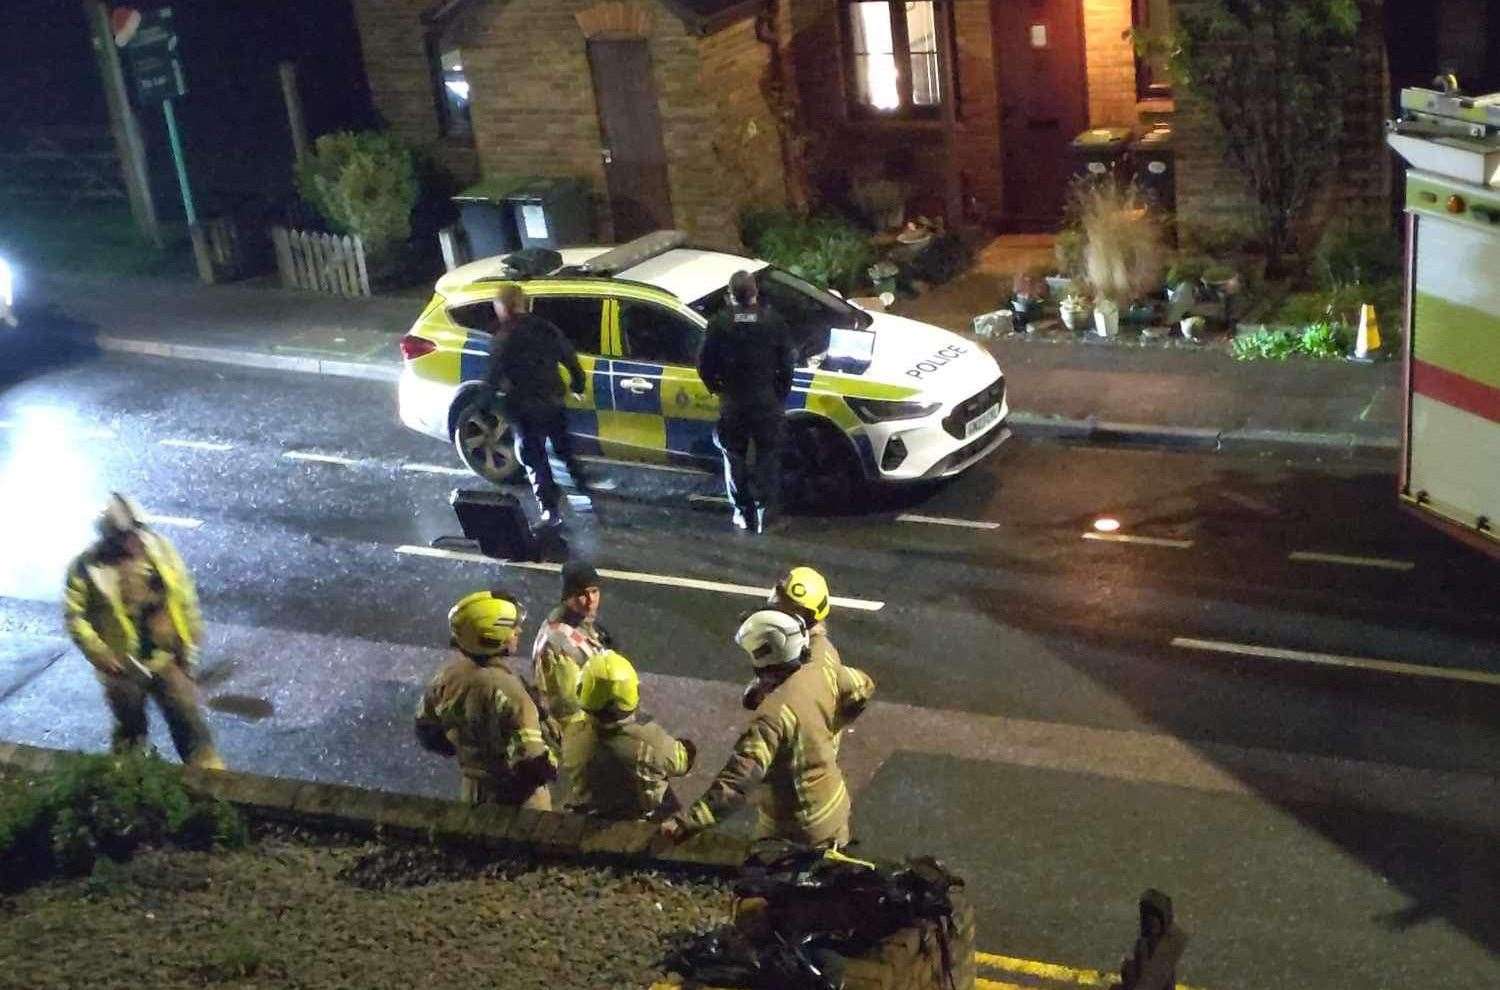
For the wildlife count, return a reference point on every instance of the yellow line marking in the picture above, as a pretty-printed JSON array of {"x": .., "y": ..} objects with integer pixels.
[
  {"x": 1045, "y": 971},
  {"x": 980, "y": 983},
  {"x": 1332, "y": 660},
  {"x": 1154, "y": 541},
  {"x": 1337, "y": 558}
]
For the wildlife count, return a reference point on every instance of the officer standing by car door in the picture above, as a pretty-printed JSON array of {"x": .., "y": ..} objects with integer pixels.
[
  {"x": 747, "y": 361},
  {"x": 524, "y": 367}
]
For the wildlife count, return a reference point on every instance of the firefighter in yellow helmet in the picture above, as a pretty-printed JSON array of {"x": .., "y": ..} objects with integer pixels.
[
  {"x": 476, "y": 709},
  {"x": 618, "y": 766},
  {"x": 131, "y": 608},
  {"x": 803, "y": 592},
  {"x": 788, "y": 748}
]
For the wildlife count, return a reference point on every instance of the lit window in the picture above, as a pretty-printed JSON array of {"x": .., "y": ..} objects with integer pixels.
[
  {"x": 450, "y": 86},
  {"x": 895, "y": 56}
]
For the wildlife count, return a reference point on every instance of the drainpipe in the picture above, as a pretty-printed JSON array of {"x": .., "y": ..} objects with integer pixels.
[
  {"x": 778, "y": 89},
  {"x": 953, "y": 196}
]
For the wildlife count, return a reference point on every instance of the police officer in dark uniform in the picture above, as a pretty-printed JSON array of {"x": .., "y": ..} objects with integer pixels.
[
  {"x": 747, "y": 361},
  {"x": 524, "y": 368}
]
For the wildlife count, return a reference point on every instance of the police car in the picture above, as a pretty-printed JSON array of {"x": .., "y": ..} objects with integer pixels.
[{"x": 875, "y": 398}]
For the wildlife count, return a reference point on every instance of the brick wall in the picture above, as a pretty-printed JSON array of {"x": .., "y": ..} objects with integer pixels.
[
  {"x": 1212, "y": 192},
  {"x": 844, "y": 150},
  {"x": 1110, "y": 59},
  {"x": 534, "y": 112},
  {"x": 400, "y": 79}
]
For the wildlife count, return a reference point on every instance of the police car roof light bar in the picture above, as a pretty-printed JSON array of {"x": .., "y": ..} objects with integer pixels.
[{"x": 633, "y": 253}]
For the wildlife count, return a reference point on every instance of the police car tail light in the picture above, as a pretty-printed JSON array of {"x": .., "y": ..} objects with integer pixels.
[
  {"x": 885, "y": 410},
  {"x": 413, "y": 347}
]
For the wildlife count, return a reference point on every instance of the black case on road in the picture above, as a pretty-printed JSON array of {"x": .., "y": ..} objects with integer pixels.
[{"x": 496, "y": 521}]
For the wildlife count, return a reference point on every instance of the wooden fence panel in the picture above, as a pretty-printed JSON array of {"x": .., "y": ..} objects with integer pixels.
[{"x": 321, "y": 262}]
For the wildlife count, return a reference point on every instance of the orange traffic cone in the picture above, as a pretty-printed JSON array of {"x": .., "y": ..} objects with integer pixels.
[{"x": 1367, "y": 341}]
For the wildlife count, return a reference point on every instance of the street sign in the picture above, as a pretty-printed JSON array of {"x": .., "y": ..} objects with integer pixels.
[{"x": 147, "y": 40}]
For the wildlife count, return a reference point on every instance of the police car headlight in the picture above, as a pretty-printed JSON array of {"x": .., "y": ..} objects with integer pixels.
[{"x": 885, "y": 410}]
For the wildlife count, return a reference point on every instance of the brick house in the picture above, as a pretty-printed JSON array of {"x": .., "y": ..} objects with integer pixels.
[{"x": 684, "y": 112}]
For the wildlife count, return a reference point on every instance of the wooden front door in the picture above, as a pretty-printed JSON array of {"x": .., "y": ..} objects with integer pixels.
[
  {"x": 635, "y": 161},
  {"x": 1043, "y": 104}
]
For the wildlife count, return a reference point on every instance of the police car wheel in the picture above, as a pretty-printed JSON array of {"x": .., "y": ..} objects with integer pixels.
[
  {"x": 485, "y": 443},
  {"x": 818, "y": 467}
]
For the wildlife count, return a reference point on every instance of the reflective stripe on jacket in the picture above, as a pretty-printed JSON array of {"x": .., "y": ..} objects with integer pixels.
[
  {"x": 97, "y": 616},
  {"x": 619, "y": 769},
  {"x": 791, "y": 746},
  {"x": 485, "y": 712},
  {"x": 557, "y": 659}
]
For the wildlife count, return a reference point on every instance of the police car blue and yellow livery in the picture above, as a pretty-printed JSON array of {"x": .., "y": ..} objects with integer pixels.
[{"x": 875, "y": 397}]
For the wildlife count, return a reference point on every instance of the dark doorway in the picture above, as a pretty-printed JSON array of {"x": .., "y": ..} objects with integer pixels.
[
  {"x": 635, "y": 161},
  {"x": 1043, "y": 105}
]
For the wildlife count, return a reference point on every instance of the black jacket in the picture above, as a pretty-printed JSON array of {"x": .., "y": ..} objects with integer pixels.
[
  {"x": 748, "y": 357},
  {"x": 523, "y": 364}
]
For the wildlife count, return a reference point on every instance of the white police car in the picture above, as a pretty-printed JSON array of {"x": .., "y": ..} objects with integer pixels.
[{"x": 876, "y": 397}]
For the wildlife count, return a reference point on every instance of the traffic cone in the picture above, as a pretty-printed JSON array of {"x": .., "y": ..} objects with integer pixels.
[{"x": 1367, "y": 342}]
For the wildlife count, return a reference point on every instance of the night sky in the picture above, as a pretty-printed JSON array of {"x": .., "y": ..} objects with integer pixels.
[{"x": 233, "y": 119}]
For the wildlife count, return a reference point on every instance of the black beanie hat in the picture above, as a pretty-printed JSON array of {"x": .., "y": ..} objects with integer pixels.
[{"x": 578, "y": 575}]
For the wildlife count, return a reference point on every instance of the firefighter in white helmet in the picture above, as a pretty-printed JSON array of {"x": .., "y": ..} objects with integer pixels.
[
  {"x": 789, "y": 746},
  {"x": 618, "y": 766},
  {"x": 477, "y": 709},
  {"x": 132, "y": 609}
]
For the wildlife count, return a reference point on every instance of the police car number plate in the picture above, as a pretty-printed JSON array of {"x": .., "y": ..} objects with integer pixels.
[{"x": 983, "y": 421}]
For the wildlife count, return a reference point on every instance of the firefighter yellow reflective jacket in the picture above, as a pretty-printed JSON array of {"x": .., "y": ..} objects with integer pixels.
[
  {"x": 99, "y": 620},
  {"x": 791, "y": 747},
  {"x": 619, "y": 769},
  {"x": 489, "y": 719}
]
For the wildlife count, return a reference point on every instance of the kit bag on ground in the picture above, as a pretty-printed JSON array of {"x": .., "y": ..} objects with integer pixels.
[{"x": 496, "y": 521}]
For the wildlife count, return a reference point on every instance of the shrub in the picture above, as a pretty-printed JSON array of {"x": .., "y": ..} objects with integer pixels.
[
  {"x": 947, "y": 257},
  {"x": 882, "y": 201},
  {"x": 1323, "y": 340},
  {"x": 1356, "y": 251},
  {"x": 1124, "y": 249},
  {"x": 362, "y": 183},
  {"x": 106, "y": 806},
  {"x": 1271, "y": 343},
  {"x": 828, "y": 252},
  {"x": 1341, "y": 304}
]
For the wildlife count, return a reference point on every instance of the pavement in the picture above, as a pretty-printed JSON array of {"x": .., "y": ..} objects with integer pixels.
[
  {"x": 1270, "y": 692},
  {"x": 1073, "y": 392}
]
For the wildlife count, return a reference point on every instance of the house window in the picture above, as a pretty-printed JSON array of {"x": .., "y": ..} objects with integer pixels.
[
  {"x": 451, "y": 83},
  {"x": 895, "y": 66},
  {"x": 1154, "y": 23}
]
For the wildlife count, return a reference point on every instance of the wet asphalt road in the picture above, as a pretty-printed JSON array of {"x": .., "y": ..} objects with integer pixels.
[{"x": 1320, "y": 826}]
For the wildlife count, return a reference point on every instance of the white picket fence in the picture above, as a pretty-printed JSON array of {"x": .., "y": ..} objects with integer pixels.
[{"x": 321, "y": 262}]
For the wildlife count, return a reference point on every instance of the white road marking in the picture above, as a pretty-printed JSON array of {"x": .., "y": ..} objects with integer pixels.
[
  {"x": 436, "y": 469},
  {"x": 1153, "y": 541},
  {"x": 1333, "y": 660},
  {"x": 186, "y": 522},
  {"x": 639, "y": 577},
  {"x": 307, "y": 455},
  {"x": 1250, "y": 502},
  {"x": 1384, "y": 563},
  {"x": 910, "y": 517},
  {"x": 197, "y": 444},
  {"x": 711, "y": 499}
]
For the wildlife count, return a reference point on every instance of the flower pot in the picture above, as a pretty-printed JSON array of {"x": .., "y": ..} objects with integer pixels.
[
  {"x": 1075, "y": 316},
  {"x": 1059, "y": 286},
  {"x": 1107, "y": 320}
]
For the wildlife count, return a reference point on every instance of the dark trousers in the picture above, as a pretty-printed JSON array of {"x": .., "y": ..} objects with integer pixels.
[
  {"x": 534, "y": 426},
  {"x": 750, "y": 439},
  {"x": 177, "y": 697}
]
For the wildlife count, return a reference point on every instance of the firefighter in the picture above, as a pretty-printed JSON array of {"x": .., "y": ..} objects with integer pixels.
[
  {"x": 476, "y": 709},
  {"x": 569, "y": 636},
  {"x": 747, "y": 361},
  {"x": 131, "y": 607},
  {"x": 524, "y": 368},
  {"x": 789, "y": 746},
  {"x": 804, "y": 592},
  {"x": 617, "y": 765}
]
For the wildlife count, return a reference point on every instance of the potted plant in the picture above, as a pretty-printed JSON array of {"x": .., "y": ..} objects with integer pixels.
[
  {"x": 1075, "y": 311},
  {"x": 1028, "y": 289},
  {"x": 1124, "y": 250}
]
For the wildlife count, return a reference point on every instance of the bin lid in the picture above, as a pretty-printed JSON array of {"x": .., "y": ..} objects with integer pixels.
[
  {"x": 1102, "y": 138},
  {"x": 1157, "y": 139},
  {"x": 548, "y": 188},
  {"x": 495, "y": 188}
]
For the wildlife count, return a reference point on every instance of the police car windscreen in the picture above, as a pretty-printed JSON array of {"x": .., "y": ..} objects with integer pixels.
[{"x": 812, "y": 314}]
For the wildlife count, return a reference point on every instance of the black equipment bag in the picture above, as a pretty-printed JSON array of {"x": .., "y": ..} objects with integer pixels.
[{"x": 496, "y": 521}]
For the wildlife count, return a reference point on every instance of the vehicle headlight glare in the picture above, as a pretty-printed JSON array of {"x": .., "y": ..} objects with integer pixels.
[{"x": 885, "y": 410}]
